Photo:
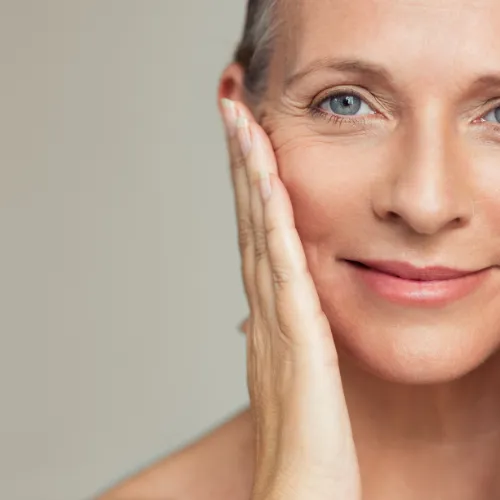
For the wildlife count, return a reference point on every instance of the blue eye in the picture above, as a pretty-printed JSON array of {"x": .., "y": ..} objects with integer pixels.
[
  {"x": 495, "y": 113},
  {"x": 345, "y": 105}
]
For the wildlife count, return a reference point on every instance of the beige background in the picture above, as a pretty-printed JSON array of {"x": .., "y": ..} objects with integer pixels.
[{"x": 120, "y": 289}]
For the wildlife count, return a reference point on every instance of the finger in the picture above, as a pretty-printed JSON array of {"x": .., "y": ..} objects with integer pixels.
[
  {"x": 298, "y": 306},
  {"x": 260, "y": 338},
  {"x": 262, "y": 269},
  {"x": 242, "y": 200}
]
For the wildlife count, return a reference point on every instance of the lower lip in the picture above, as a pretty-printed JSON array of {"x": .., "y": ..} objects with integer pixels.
[{"x": 420, "y": 293}]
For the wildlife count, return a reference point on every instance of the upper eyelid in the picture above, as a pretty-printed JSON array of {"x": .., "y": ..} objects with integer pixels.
[{"x": 491, "y": 107}]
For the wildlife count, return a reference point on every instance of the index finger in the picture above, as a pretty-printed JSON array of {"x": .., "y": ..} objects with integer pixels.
[{"x": 242, "y": 200}]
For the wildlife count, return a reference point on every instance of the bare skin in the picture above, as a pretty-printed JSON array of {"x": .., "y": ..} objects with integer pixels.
[
  {"x": 416, "y": 178},
  {"x": 221, "y": 462}
]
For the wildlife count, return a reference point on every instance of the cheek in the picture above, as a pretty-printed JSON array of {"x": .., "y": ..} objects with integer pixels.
[
  {"x": 330, "y": 186},
  {"x": 328, "y": 195}
]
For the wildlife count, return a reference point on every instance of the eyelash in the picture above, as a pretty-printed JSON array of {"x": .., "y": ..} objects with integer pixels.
[
  {"x": 333, "y": 118},
  {"x": 315, "y": 111},
  {"x": 482, "y": 118}
]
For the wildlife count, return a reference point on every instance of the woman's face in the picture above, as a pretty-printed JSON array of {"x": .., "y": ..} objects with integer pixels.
[{"x": 412, "y": 174}]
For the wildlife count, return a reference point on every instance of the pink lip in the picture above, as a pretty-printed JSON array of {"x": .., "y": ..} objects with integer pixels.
[
  {"x": 402, "y": 283},
  {"x": 409, "y": 272}
]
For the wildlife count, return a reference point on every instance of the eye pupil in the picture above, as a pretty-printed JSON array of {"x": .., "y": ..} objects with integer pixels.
[{"x": 345, "y": 104}]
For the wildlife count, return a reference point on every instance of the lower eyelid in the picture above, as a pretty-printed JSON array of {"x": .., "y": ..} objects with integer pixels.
[{"x": 339, "y": 120}]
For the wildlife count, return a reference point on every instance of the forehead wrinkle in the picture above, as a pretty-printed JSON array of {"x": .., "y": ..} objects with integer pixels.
[{"x": 477, "y": 79}]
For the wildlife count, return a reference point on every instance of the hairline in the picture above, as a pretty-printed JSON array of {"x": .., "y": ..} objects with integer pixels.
[{"x": 254, "y": 52}]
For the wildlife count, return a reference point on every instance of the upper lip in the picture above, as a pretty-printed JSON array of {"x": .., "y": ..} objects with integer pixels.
[{"x": 406, "y": 270}]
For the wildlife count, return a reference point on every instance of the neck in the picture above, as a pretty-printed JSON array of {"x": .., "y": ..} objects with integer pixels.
[{"x": 445, "y": 436}]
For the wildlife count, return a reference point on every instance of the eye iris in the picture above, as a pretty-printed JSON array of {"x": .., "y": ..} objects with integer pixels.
[
  {"x": 497, "y": 114},
  {"x": 345, "y": 104}
]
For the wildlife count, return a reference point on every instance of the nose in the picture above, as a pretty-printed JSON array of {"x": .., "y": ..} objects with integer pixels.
[{"x": 426, "y": 186}]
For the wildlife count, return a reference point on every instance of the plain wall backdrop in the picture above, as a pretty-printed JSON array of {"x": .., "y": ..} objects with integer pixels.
[{"x": 120, "y": 287}]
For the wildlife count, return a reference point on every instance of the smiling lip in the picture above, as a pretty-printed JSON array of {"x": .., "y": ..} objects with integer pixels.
[
  {"x": 409, "y": 272},
  {"x": 402, "y": 283}
]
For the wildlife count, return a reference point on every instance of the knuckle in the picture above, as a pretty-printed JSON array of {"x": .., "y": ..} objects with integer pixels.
[
  {"x": 286, "y": 326},
  {"x": 259, "y": 339},
  {"x": 238, "y": 162},
  {"x": 281, "y": 276},
  {"x": 245, "y": 233},
  {"x": 272, "y": 232},
  {"x": 260, "y": 244}
]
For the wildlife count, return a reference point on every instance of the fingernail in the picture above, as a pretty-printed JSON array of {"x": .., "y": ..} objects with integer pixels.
[
  {"x": 244, "y": 135},
  {"x": 230, "y": 116}
]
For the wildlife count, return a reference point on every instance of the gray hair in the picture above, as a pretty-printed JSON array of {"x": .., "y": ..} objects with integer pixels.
[{"x": 255, "y": 48}]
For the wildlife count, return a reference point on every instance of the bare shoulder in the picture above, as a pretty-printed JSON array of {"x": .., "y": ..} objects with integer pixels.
[{"x": 219, "y": 465}]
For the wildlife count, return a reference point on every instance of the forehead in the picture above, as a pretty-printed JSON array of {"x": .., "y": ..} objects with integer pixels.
[{"x": 434, "y": 39}]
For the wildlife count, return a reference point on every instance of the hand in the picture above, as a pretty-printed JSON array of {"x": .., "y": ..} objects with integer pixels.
[{"x": 304, "y": 445}]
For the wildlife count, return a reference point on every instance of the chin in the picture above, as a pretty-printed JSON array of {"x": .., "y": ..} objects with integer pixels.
[
  {"x": 411, "y": 346},
  {"x": 407, "y": 361}
]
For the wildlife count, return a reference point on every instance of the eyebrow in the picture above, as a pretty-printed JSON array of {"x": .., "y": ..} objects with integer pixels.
[
  {"x": 357, "y": 66},
  {"x": 377, "y": 72},
  {"x": 485, "y": 81}
]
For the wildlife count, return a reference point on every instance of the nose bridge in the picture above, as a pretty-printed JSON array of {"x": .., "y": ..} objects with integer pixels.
[{"x": 428, "y": 188}]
